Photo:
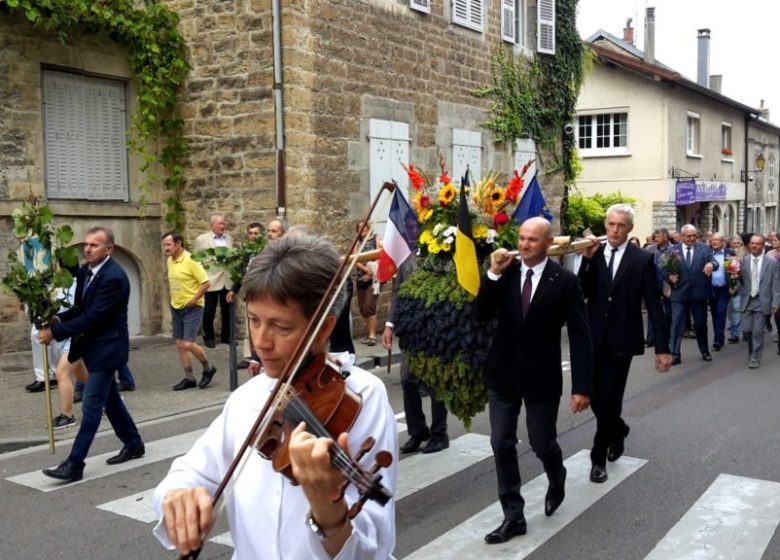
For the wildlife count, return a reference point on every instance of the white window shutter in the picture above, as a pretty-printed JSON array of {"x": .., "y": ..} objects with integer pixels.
[
  {"x": 466, "y": 153},
  {"x": 545, "y": 26},
  {"x": 508, "y": 21},
  {"x": 525, "y": 151},
  {"x": 421, "y": 5},
  {"x": 468, "y": 13},
  {"x": 388, "y": 149}
]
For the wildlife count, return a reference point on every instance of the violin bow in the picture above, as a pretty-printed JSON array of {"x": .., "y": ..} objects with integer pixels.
[{"x": 283, "y": 384}]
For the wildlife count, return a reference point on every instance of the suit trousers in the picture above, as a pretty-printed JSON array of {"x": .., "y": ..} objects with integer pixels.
[
  {"x": 100, "y": 392},
  {"x": 680, "y": 310},
  {"x": 415, "y": 417},
  {"x": 753, "y": 326},
  {"x": 610, "y": 373},
  {"x": 735, "y": 316},
  {"x": 719, "y": 305},
  {"x": 540, "y": 419},
  {"x": 210, "y": 311}
]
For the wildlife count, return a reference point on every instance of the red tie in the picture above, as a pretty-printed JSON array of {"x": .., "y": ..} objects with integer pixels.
[{"x": 527, "y": 288}]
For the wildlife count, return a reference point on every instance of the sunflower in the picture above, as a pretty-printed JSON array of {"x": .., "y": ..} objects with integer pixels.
[
  {"x": 498, "y": 196},
  {"x": 447, "y": 194}
]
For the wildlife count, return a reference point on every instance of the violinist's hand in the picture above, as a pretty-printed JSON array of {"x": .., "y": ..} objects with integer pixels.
[
  {"x": 500, "y": 259},
  {"x": 187, "y": 514}
]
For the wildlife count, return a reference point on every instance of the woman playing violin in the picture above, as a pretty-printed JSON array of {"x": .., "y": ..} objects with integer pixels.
[{"x": 269, "y": 516}]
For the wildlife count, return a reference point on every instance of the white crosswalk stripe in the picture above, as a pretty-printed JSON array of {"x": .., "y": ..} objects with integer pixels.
[
  {"x": 465, "y": 542},
  {"x": 735, "y": 518}
]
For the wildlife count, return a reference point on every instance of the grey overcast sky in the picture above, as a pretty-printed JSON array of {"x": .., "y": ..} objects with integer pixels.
[{"x": 745, "y": 40}]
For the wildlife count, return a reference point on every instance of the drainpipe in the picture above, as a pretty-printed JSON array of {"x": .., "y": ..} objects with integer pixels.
[
  {"x": 747, "y": 177},
  {"x": 281, "y": 180}
]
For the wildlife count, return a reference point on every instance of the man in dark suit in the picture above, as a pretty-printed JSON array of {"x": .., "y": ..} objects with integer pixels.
[
  {"x": 719, "y": 303},
  {"x": 436, "y": 435},
  {"x": 691, "y": 290},
  {"x": 97, "y": 327},
  {"x": 759, "y": 296},
  {"x": 533, "y": 298},
  {"x": 616, "y": 278}
]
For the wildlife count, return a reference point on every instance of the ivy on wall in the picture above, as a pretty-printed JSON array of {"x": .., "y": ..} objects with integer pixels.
[
  {"x": 157, "y": 57},
  {"x": 537, "y": 98}
]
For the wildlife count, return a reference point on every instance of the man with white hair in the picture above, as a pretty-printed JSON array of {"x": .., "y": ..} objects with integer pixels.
[{"x": 219, "y": 282}]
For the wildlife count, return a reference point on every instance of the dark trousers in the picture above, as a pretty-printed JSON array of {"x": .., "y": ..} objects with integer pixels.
[
  {"x": 698, "y": 308},
  {"x": 210, "y": 311},
  {"x": 415, "y": 417},
  {"x": 610, "y": 373},
  {"x": 540, "y": 419},
  {"x": 666, "y": 305},
  {"x": 719, "y": 305},
  {"x": 100, "y": 393},
  {"x": 341, "y": 337}
]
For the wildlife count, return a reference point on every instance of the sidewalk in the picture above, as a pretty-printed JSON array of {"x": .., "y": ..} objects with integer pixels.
[{"x": 155, "y": 366}]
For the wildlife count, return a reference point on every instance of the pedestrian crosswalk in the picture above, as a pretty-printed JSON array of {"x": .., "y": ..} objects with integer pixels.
[{"x": 736, "y": 517}]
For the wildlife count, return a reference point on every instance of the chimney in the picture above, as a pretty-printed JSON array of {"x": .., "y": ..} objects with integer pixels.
[
  {"x": 763, "y": 111},
  {"x": 716, "y": 82},
  {"x": 703, "y": 66},
  {"x": 650, "y": 36},
  {"x": 628, "y": 32}
]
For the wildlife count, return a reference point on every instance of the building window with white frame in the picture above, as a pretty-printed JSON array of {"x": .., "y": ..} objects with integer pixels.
[
  {"x": 513, "y": 21},
  {"x": 423, "y": 6},
  {"x": 84, "y": 123},
  {"x": 693, "y": 136},
  {"x": 770, "y": 173},
  {"x": 602, "y": 134},
  {"x": 726, "y": 150},
  {"x": 469, "y": 13}
]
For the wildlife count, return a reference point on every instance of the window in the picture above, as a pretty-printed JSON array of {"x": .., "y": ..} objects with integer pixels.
[
  {"x": 603, "y": 134},
  {"x": 725, "y": 145},
  {"x": 421, "y": 5},
  {"x": 770, "y": 173},
  {"x": 545, "y": 26},
  {"x": 388, "y": 148},
  {"x": 468, "y": 13},
  {"x": 693, "y": 136},
  {"x": 84, "y": 122},
  {"x": 513, "y": 21},
  {"x": 466, "y": 152}
]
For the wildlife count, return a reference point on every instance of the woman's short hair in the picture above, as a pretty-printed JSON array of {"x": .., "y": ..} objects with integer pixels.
[{"x": 294, "y": 270}]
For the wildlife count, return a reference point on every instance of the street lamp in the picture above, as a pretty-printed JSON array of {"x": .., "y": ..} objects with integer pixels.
[{"x": 760, "y": 163}]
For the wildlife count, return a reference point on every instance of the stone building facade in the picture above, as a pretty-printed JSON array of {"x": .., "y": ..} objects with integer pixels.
[{"x": 366, "y": 84}]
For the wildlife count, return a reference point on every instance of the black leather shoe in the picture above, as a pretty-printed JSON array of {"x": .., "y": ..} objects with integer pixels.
[
  {"x": 506, "y": 531},
  {"x": 435, "y": 445},
  {"x": 125, "y": 387},
  {"x": 706, "y": 356},
  {"x": 733, "y": 339},
  {"x": 412, "y": 445},
  {"x": 598, "y": 474},
  {"x": 185, "y": 384},
  {"x": 207, "y": 377},
  {"x": 209, "y": 343},
  {"x": 554, "y": 497},
  {"x": 67, "y": 472},
  {"x": 125, "y": 454},
  {"x": 35, "y": 387},
  {"x": 717, "y": 346},
  {"x": 617, "y": 448},
  {"x": 676, "y": 361}
]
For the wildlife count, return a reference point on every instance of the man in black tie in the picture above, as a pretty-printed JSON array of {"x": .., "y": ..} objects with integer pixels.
[
  {"x": 616, "y": 278},
  {"x": 533, "y": 298}
]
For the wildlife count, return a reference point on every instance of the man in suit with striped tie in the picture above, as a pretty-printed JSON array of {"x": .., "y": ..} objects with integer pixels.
[{"x": 759, "y": 296}]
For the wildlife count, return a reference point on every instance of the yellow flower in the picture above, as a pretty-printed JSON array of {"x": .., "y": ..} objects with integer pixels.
[
  {"x": 426, "y": 236},
  {"x": 480, "y": 231},
  {"x": 446, "y": 247},
  {"x": 416, "y": 203},
  {"x": 498, "y": 196},
  {"x": 447, "y": 194},
  {"x": 424, "y": 214},
  {"x": 434, "y": 247}
]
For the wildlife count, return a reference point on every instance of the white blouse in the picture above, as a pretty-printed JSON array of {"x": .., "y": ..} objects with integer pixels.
[{"x": 266, "y": 512}]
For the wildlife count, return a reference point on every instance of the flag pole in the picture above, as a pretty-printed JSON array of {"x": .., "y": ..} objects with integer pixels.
[{"x": 47, "y": 387}]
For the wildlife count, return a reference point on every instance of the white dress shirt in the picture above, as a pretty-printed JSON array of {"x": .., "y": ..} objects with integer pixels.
[
  {"x": 621, "y": 250},
  {"x": 266, "y": 512},
  {"x": 535, "y": 279}
]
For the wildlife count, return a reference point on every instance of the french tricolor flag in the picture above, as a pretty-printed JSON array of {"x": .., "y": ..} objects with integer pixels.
[{"x": 401, "y": 233}]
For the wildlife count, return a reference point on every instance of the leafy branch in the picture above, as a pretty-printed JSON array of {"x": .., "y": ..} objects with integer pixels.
[{"x": 234, "y": 260}]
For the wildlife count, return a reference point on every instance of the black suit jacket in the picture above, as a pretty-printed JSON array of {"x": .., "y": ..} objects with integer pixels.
[
  {"x": 615, "y": 311},
  {"x": 525, "y": 355},
  {"x": 97, "y": 322}
]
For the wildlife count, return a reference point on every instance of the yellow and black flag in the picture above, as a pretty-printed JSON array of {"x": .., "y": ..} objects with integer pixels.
[{"x": 466, "y": 264}]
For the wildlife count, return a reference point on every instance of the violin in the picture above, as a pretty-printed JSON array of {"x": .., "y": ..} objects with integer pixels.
[{"x": 312, "y": 390}]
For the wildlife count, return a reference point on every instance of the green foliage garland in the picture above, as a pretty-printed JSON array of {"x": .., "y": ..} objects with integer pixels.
[
  {"x": 235, "y": 260},
  {"x": 538, "y": 98},
  {"x": 590, "y": 211},
  {"x": 157, "y": 55},
  {"x": 35, "y": 271}
]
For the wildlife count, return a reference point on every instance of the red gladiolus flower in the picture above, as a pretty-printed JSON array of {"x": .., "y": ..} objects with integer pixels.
[
  {"x": 445, "y": 179},
  {"x": 415, "y": 178},
  {"x": 514, "y": 187},
  {"x": 500, "y": 219},
  {"x": 425, "y": 201}
]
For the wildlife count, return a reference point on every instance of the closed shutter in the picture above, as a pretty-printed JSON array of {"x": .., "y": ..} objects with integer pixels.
[
  {"x": 85, "y": 143},
  {"x": 508, "y": 21},
  {"x": 388, "y": 148},
  {"x": 421, "y": 5},
  {"x": 545, "y": 26},
  {"x": 525, "y": 151},
  {"x": 468, "y": 13},
  {"x": 466, "y": 153}
]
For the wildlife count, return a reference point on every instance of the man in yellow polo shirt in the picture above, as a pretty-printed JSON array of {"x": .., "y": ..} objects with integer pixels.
[{"x": 188, "y": 283}]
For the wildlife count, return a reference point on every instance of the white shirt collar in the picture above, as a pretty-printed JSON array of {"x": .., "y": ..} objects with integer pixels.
[
  {"x": 95, "y": 269},
  {"x": 538, "y": 268}
]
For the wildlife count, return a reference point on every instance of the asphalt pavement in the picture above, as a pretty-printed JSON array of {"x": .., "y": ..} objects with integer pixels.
[{"x": 155, "y": 366}]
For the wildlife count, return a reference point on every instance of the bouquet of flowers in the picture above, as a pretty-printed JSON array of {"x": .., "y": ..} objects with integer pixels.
[
  {"x": 733, "y": 273},
  {"x": 670, "y": 263},
  {"x": 437, "y": 328}
]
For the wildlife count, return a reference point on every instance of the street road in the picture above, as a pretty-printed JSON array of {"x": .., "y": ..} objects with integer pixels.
[{"x": 700, "y": 479}]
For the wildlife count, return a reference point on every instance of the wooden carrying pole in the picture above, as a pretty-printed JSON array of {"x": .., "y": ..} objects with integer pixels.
[{"x": 47, "y": 387}]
